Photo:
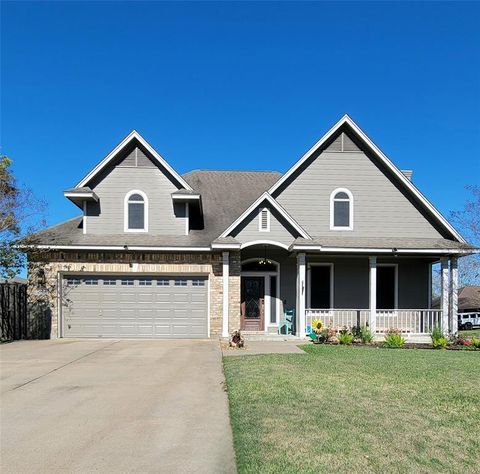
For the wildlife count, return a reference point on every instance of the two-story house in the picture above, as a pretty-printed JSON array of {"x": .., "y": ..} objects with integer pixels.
[{"x": 343, "y": 235}]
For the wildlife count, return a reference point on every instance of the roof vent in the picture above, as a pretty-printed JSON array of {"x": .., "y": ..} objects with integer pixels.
[
  {"x": 264, "y": 220},
  {"x": 408, "y": 174}
]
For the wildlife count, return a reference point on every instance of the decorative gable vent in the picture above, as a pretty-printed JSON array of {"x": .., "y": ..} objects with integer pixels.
[
  {"x": 264, "y": 220},
  {"x": 343, "y": 143}
]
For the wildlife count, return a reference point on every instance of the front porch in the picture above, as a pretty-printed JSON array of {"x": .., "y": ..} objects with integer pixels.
[{"x": 282, "y": 292}]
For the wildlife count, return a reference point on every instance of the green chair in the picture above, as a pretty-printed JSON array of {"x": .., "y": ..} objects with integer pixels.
[{"x": 287, "y": 323}]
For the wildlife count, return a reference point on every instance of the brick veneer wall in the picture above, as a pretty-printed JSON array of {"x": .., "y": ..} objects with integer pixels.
[{"x": 44, "y": 279}]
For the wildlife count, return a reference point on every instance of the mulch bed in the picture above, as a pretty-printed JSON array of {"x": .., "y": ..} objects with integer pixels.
[{"x": 407, "y": 345}]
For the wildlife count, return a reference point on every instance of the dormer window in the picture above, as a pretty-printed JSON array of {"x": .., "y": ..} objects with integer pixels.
[
  {"x": 136, "y": 212},
  {"x": 341, "y": 210},
  {"x": 264, "y": 220}
]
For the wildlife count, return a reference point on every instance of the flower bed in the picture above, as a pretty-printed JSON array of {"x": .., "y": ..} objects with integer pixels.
[{"x": 361, "y": 336}]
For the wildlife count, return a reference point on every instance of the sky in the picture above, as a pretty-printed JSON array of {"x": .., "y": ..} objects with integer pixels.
[{"x": 239, "y": 86}]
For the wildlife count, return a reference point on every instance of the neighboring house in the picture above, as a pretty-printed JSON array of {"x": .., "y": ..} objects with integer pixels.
[
  {"x": 15, "y": 279},
  {"x": 468, "y": 299},
  {"x": 343, "y": 235}
]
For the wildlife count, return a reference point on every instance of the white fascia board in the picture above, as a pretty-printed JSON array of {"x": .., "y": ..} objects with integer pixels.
[
  {"x": 91, "y": 195},
  {"x": 226, "y": 246},
  {"x": 266, "y": 196},
  {"x": 132, "y": 135},
  {"x": 185, "y": 197},
  {"x": 122, "y": 248},
  {"x": 408, "y": 184},
  {"x": 83, "y": 196},
  {"x": 382, "y": 250}
]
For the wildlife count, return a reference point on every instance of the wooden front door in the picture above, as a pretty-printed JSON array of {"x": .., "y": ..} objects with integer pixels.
[{"x": 253, "y": 303}]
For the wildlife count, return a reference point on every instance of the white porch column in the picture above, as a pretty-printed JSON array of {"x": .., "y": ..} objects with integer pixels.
[
  {"x": 445, "y": 282},
  {"x": 373, "y": 294},
  {"x": 225, "y": 274},
  {"x": 453, "y": 295},
  {"x": 300, "y": 323}
]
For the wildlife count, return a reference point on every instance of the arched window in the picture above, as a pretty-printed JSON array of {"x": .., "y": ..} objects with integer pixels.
[
  {"x": 341, "y": 210},
  {"x": 136, "y": 212}
]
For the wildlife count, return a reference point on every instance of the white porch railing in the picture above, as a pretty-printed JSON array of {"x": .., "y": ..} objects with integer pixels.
[
  {"x": 337, "y": 317},
  {"x": 408, "y": 321}
]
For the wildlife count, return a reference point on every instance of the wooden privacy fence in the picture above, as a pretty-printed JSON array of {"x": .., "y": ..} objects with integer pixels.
[{"x": 13, "y": 311}]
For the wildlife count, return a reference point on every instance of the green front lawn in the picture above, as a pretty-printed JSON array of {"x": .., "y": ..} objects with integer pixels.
[
  {"x": 469, "y": 334},
  {"x": 341, "y": 409}
]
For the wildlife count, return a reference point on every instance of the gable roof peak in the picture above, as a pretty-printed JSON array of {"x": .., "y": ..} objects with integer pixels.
[
  {"x": 266, "y": 196},
  {"x": 407, "y": 183},
  {"x": 157, "y": 157}
]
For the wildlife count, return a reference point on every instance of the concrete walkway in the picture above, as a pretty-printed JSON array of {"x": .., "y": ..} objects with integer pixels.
[
  {"x": 75, "y": 406},
  {"x": 263, "y": 347}
]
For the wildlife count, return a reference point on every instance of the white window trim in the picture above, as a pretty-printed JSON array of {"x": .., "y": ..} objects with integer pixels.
[
  {"x": 350, "y": 209},
  {"x": 125, "y": 211},
  {"x": 309, "y": 282},
  {"x": 260, "y": 228},
  {"x": 395, "y": 302}
]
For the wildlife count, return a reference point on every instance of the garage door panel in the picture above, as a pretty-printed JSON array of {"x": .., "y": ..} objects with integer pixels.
[{"x": 116, "y": 306}]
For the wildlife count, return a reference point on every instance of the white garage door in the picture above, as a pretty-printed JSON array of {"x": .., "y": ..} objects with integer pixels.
[{"x": 134, "y": 306}]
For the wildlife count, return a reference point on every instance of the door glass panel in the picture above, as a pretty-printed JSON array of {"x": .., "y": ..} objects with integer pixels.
[{"x": 252, "y": 297}]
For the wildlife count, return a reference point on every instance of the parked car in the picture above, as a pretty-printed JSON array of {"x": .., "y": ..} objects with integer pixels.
[{"x": 468, "y": 320}]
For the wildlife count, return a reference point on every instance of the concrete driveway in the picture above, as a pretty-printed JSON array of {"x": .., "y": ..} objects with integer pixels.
[{"x": 114, "y": 407}]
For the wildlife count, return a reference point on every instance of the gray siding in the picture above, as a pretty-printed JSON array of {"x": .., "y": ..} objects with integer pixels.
[
  {"x": 108, "y": 217},
  {"x": 380, "y": 208},
  {"x": 280, "y": 231}
]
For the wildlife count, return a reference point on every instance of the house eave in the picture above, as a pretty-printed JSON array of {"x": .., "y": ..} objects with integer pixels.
[{"x": 373, "y": 250}]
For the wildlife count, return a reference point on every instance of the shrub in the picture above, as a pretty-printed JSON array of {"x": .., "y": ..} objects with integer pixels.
[
  {"x": 345, "y": 337},
  {"x": 438, "y": 339},
  {"x": 436, "y": 333},
  {"x": 327, "y": 334},
  {"x": 475, "y": 342},
  {"x": 440, "y": 343},
  {"x": 393, "y": 339},
  {"x": 366, "y": 336}
]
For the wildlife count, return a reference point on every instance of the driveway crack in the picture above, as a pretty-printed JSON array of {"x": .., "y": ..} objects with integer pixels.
[{"x": 62, "y": 366}]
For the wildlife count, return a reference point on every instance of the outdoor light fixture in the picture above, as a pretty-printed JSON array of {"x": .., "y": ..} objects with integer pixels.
[{"x": 264, "y": 260}]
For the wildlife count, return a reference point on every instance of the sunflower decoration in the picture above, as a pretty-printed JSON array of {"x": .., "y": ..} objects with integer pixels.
[{"x": 317, "y": 326}]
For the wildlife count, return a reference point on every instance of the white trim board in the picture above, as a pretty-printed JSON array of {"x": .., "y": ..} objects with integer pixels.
[
  {"x": 131, "y": 136},
  {"x": 391, "y": 251},
  {"x": 266, "y": 197},
  {"x": 122, "y": 248},
  {"x": 273, "y": 243},
  {"x": 383, "y": 158}
]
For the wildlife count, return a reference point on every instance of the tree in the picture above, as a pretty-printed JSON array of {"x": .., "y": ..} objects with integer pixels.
[
  {"x": 21, "y": 214},
  {"x": 468, "y": 221}
]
